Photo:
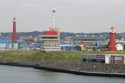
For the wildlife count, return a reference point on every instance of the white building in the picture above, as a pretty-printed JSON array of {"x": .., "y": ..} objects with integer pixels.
[
  {"x": 119, "y": 47},
  {"x": 50, "y": 40}
]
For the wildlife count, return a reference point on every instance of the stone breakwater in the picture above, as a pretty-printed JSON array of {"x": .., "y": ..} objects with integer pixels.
[
  {"x": 84, "y": 67},
  {"x": 91, "y": 69}
]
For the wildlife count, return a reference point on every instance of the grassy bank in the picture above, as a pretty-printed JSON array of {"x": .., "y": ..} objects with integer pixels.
[{"x": 34, "y": 55}]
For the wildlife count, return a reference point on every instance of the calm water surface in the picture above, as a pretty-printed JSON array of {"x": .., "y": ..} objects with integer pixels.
[{"x": 12, "y": 74}]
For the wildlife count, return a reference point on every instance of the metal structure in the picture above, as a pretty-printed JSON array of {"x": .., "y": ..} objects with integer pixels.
[{"x": 53, "y": 13}]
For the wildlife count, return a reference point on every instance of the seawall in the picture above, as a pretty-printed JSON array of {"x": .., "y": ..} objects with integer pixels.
[{"x": 89, "y": 69}]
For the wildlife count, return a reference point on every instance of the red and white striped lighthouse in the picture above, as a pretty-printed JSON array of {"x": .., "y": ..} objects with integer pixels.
[
  {"x": 112, "y": 40},
  {"x": 14, "y": 37}
]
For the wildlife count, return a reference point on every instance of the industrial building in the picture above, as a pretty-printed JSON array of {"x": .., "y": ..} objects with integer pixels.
[
  {"x": 26, "y": 46},
  {"x": 104, "y": 58},
  {"x": 68, "y": 47},
  {"x": 8, "y": 44},
  {"x": 3, "y": 43}
]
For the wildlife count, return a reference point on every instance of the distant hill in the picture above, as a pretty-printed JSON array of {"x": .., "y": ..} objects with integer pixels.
[{"x": 62, "y": 34}]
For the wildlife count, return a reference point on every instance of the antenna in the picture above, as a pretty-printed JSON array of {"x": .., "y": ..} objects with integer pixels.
[{"x": 53, "y": 13}]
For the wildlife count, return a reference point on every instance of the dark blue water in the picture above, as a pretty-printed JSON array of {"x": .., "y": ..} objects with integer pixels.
[{"x": 12, "y": 74}]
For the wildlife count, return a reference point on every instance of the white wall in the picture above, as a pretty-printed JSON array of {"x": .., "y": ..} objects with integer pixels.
[
  {"x": 119, "y": 47},
  {"x": 2, "y": 45}
]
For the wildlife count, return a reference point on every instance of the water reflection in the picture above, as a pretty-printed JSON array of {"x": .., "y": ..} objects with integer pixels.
[{"x": 11, "y": 74}]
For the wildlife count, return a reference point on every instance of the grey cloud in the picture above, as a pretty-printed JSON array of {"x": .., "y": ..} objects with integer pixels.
[{"x": 71, "y": 15}]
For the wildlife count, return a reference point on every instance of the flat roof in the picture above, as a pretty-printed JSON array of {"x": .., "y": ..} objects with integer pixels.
[{"x": 5, "y": 41}]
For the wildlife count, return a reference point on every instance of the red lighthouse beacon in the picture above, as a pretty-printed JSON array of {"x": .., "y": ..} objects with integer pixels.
[
  {"x": 14, "y": 37},
  {"x": 112, "y": 40}
]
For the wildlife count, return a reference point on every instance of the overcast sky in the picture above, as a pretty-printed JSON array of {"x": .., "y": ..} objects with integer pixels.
[{"x": 71, "y": 15}]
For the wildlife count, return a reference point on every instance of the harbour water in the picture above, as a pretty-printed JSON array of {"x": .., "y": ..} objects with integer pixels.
[{"x": 13, "y": 74}]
